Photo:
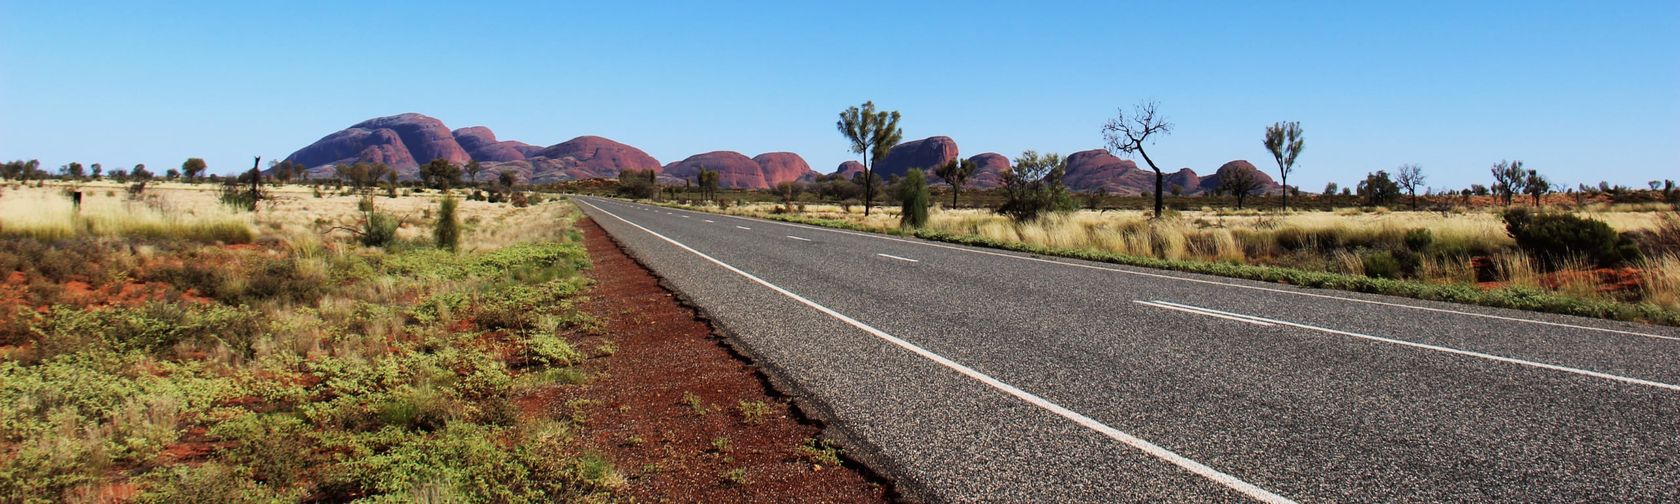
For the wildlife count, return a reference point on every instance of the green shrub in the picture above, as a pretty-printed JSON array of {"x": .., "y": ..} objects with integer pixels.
[
  {"x": 1381, "y": 265},
  {"x": 379, "y": 229},
  {"x": 913, "y": 200},
  {"x": 277, "y": 448},
  {"x": 1417, "y": 240},
  {"x": 447, "y": 233},
  {"x": 549, "y": 350},
  {"x": 1555, "y": 237}
]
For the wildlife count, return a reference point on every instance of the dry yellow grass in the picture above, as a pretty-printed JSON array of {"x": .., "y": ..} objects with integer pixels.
[
  {"x": 107, "y": 210},
  {"x": 291, "y": 213}
]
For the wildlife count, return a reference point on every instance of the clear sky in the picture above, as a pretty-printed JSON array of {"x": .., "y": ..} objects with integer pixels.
[{"x": 1581, "y": 90}]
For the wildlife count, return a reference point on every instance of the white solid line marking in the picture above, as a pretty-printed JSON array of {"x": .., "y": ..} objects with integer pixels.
[
  {"x": 743, "y": 227},
  {"x": 798, "y": 238},
  {"x": 1202, "y": 312},
  {"x": 1211, "y": 282},
  {"x": 906, "y": 259},
  {"x": 1438, "y": 348},
  {"x": 1152, "y": 449}
]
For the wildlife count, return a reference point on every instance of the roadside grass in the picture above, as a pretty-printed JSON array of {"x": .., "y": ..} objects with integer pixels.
[
  {"x": 1330, "y": 250},
  {"x": 297, "y": 365}
]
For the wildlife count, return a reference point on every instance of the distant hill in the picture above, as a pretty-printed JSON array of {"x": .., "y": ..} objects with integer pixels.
[{"x": 406, "y": 141}]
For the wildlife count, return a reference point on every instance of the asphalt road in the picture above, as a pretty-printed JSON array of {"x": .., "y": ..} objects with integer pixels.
[{"x": 978, "y": 375}]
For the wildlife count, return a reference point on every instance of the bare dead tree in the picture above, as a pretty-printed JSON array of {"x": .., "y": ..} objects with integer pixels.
[
  {"x": 1129, "y": 133},
  {"x": 1410, "y": 176}
]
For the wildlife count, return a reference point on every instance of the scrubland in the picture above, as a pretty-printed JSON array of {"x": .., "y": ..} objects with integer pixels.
[
  {"x": 162, "y": 347},
  {"x": 1468, "y": 251}
]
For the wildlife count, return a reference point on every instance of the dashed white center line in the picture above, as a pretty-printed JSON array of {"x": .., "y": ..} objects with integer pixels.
[
  {"x": 906, "y": 259},
  {"x": 709, "y": 221},
  {"x": 743, "y": 227},
  {"x": 798, "y": 238},
  {"x": 685, "y": 216}
]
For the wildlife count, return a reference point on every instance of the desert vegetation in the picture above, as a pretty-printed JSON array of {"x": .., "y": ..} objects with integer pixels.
[
  {"x": 161, "y": 346},
  {"x": 1602, "y": 259}
]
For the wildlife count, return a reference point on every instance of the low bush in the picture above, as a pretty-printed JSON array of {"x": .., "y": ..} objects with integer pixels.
[
  {"x": 1555, "y": 238},
  {"x": 1381, "y": 265},
  {"x": 447, "y": 233},
  {"x": 379, "y": 229}
]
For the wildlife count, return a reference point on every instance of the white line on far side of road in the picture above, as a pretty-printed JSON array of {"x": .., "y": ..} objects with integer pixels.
[
  {"x": 1154, "y": 450},
  {"x": 743, "y": 227},
  {"x": 1266, "y": 321},
  {"x": 905, "y": 259},
  {"x": 709, "y": 221},
  {"x": 685, "y": 216},
  {"x": 798, "y": 238}
]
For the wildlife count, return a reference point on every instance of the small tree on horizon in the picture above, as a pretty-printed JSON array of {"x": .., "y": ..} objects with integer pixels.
[
  {"x": 1378, "y": 189},
  {"x": 873, "y": 134},
  {"x": 1128, "y": 133},
  {"x": 1284, "y": 141},
  {"x": 1536, "y": 185},
  {"x": 1410, "y": 176},
  {"x": 1241, "y": 182},
  {"x": 956, "y": 172},
  {"x": 192, "y": 168},
  {"x": 708, "y": 180},
  {"x": 1033, "y": 187},
  {"x": 1509, "y": 180}
]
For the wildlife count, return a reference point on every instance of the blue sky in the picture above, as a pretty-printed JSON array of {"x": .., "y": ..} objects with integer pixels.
[{"x": 1583, "y": 91}]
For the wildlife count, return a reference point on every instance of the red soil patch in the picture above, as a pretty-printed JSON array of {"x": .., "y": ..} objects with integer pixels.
[{"x": 643, "y": 425}]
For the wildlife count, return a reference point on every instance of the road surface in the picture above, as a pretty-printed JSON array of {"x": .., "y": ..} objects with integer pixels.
[{"x": 973, "y": 374}]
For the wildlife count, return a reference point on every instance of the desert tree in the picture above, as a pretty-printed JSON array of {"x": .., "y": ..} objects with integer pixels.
[
  {"x": 1329, "y": 190},
  {"x": 1536, "y": 185},
  {"x": 1410, "y": 176},
  {"x": 72, "y": 171},
  {"x": 473, "y": 169},
  {"x": 96, "y": 170},
  {"x": 1379, "y": 189},
  {"x": 873, "y": 134},
  {"x": 956, "y": 172},
  {"x": 789, "y": 192},
  {"x": 1509, "y": 180},
  {"x": 1033, "y": 187},
  {"x": 708, "y": 181},
  {"x": 441, "y": 174},
  {"x": 192, "y": 168},
  {"x": 1241, "y": 182},
  {"x": 507, "y": 179},
  {"x": 1284, "y": 141},
  {"x": 1127, "y": 133}
]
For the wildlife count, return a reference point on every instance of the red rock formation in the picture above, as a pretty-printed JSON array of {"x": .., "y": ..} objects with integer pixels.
[
  {"x": 402, "y": 142},
  {"x": 1097, "y": 169},
  {"x": 989, "y": 171},
  {"x": 1210, "y": 182},
  {"x": 735, "y": 170},
  {"x": 927, "y": 154},
  {"x": 480, "y": 144},
  {"x": 848, "y": 169},
  {"x": 593, "y": 157},
  {"x": 1184, "y": 178},
  {"x": 778, "y": 167}
]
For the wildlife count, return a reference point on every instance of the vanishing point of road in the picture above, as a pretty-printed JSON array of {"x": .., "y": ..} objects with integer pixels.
[{"x": 972, "y": 374}]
